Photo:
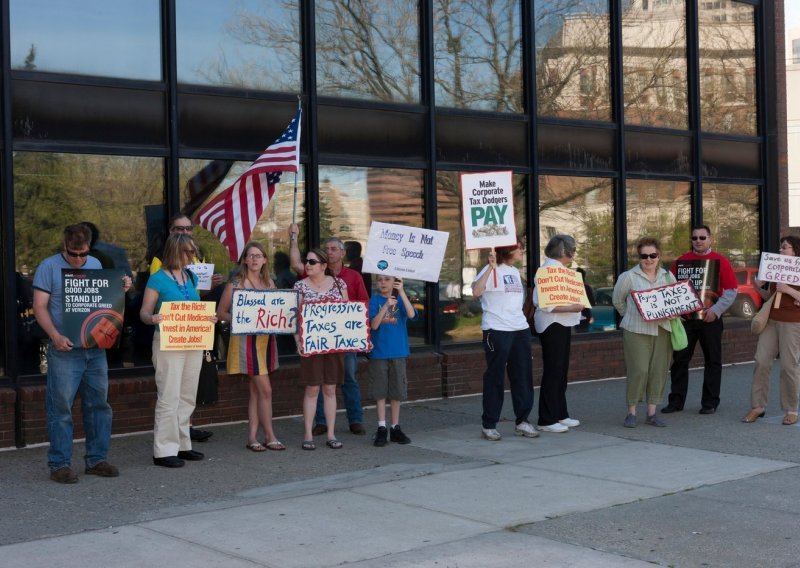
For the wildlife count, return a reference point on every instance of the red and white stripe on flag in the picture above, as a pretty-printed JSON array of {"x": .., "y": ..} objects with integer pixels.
[{"x": 233, "y": 213}]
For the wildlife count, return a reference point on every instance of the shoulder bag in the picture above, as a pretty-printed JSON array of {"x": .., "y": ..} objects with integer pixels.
[{"x": 759, "y": 321}]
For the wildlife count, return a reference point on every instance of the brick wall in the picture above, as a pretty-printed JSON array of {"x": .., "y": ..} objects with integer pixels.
[{"x": 8, "y": 400}]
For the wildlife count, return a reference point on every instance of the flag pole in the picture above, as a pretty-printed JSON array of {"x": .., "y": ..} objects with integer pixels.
[{"x": 294, "y": 202}]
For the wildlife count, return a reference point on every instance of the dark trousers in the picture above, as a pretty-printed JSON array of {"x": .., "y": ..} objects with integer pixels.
[
  {"x": 511, "y": 351},
  {"x": 710, "y": 337},
  {"x": 555, "y": 342}
]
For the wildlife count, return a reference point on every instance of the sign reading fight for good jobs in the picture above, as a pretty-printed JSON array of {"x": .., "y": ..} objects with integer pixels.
[
  {"x": 259, "y": 312},
  {"x": 405, "y": 252},
  {"x": 779, "y": 268},
  {"x": 94, "y": 307},
  {"x": 560, "y": 286},
  {"x": 488, "y": 203},
  {"x": 334, "y": 327},
  {"x": 667, "y": 301},
  {"x": 186, "y": 326}
]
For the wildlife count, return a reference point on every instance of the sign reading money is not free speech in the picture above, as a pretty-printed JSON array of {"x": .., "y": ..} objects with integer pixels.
[{"x": 405, "y": 252}]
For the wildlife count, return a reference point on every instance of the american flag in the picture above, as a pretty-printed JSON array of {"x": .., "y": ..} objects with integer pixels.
[{"x": 233, "y": 213}]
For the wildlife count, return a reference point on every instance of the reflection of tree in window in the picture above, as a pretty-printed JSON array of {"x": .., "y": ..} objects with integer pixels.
[{"x": 732, "y": 213}]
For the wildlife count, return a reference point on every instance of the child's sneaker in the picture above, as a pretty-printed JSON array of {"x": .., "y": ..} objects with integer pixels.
[
  {"x": 396, "y": 435},
  {"x": 380, "y": 437}
]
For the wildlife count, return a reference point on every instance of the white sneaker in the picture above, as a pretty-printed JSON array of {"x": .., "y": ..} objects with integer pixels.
[
  {"x": 490, "y": 434},
  {"x": 553, "y": 428},
  {"x": 525, "y": 429},
  {"x": 570, "y": 422}
]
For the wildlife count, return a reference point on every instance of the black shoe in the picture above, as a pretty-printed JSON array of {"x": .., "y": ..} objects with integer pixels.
[
  {"x": 191, "y": 455},
  {"x": 708, "y": 410},
  {"x": 670, "y": 408},
  {"x": 396, "y": 435},
  {"x": 380, "y": 437},
  {"x": 199, "y": 435},
  {"x": 169, "y": 461}
]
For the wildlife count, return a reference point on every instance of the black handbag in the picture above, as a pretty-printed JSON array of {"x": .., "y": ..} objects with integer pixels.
[{"x": 209, "y": 380}]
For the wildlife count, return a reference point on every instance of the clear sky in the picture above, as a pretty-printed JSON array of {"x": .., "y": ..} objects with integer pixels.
[{"x": 792, "y": 10}]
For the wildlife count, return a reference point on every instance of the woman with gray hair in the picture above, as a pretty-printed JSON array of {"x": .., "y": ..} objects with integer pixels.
[{"x": 553, "y": 324}]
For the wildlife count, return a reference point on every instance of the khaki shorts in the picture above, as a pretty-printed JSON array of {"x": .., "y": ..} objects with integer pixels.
[{"x": 387, "y": 379}]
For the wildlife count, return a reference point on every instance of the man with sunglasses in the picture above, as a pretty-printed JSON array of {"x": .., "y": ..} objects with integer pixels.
[
  {"x": 72, "y": 369},
  {"x": 707, "y": 329}
]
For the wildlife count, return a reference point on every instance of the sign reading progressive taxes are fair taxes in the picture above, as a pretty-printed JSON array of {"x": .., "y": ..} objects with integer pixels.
[
  {"x": 488, "y": 204},
  {"x": 667, "y": 301},
  {"x": 779, "y": 268},
  {"x": 186, "y": 326},
  {"x": 560, "y": 286},
  {"x": 405, "y": 252},
  {"x": 334, "y": 327},
  {"x": 259, "y": 312}
]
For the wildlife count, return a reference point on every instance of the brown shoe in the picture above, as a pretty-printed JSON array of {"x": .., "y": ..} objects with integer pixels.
[
  {"x": 319, "y": 430},
  {"x": 64, "y": 475},
  {"x": 790, "y": 419},
  {"x": 357, "y": 428},
  {"x": 103, "y": 469}
]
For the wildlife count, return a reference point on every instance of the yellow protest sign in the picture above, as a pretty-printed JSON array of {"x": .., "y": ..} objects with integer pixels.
[
  {"x": 186, "y": 326},
  {"x": 560, "y": 286}
]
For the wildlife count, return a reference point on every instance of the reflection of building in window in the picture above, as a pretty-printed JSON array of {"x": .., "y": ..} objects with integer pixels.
[
  {"x": 796, "y": 51},
  {"x": 793, "y": 122}
]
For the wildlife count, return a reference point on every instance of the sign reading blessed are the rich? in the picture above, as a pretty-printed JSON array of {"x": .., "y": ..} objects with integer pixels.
[
  {"x": 560, "y": 286},
  {"x": 94, "y": 307},
  {"x": 258, "y": 312},
  {"x": 186, "y": 325},
  {"x": 334, "y": 327},
  {"x": 667, "y": 301}
]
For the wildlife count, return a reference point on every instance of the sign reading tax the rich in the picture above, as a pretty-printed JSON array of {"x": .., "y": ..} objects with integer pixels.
[
  {"x": 186, "y": 326},
  {"x": 667, "y": 301},
  {"x": 334, "y": 327},
  {"x": 94, "y": 307},
  {"x": 560, "y": 286},
  {"x": 704, "y": 276},
  {"x": 259, "y": 312}
]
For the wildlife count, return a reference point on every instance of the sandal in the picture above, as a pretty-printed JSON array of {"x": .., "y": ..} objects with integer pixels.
[
  {"x": 334, "y": 444},
  {"x": 790, "y": 419},
  {"x": 308, "y": 445},
  {"x": 275, "y": 446},
  {"x": 753, "y": 415},
  {"x": 256, "y": 447}
]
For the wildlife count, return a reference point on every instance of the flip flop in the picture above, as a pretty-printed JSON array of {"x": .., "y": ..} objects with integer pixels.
[
  {"x": 790, "y": 419},
  {"x": 256, "y": 447},
  {"x": 308, "y": 445},
  {"x": 334, "y": 444},
  {"x": 275, "y": 446}
]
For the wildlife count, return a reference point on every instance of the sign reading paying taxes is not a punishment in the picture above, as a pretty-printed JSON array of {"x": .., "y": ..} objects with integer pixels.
[
  {"x": 667, "y": 301},
  {"x": 487, "y": 200},
  {"x": 186, "y": 326},
  {"x": 560, "y": 286},
  {"x": 334, "y": 327},
  {"x": 259, "y": 312},
  {"x": 779, "y": 268},
  {"x": 405, "y": 252}
]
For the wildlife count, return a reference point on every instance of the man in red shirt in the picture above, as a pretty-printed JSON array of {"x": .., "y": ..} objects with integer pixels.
[
  {"x": 356, "y": 292},
  {"x": 714, "y": 281}
]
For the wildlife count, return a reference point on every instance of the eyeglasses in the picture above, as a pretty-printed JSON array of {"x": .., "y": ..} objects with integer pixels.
[
  {"x": 182, "y": 228},
  {"x": 653, "y": 255},
  {"x": 312, "y": 261},
  {"x": 78, "y": 254},
  {"x": 255, "y": 256},
  {"x": 698, "y": 238}
]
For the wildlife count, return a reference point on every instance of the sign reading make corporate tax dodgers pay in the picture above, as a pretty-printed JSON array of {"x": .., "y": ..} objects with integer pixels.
[
  {"x": 488, "y": 205},
  {"x": 334, "y": 327},
  {"x": 94, "y": 307},
  {"x": 779, "y": 268},
  {"x": 405, "y": 252},
  {"x": 560, "y": 286},
  {"x": 260, "y": 312},
  {"x": 186, "y": 325},
  {"x": 667, "y": 301}
]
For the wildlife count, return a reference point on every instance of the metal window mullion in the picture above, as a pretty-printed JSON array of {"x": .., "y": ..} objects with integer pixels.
[
  {"x": 531, "y": 104},
  {"x": 308, "y": 39},
  {"x": 169, "y": 74},
  {"x": 693, "y": 88},
  {"x": 618, "y": 104}
]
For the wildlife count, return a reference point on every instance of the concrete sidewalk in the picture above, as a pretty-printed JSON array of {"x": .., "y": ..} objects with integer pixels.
[{"x": 705, "y": 491}]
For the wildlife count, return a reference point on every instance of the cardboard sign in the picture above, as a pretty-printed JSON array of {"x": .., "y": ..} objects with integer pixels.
[
  {"x": 704, "y": 276},
  {"x": 334, "y": 327},
  {"x": 667, "y": 301},
  {"x": 260, "y": 312},
  {"x": 488, "y": 204},
  {"x": 405, "y": 252},
  {"x": 560, "y": 286},
  {"x": 204, "y": 272},
  {"x": 779, "y": 268},
  {"x": 94, "y": 307},
  {"x": 186, "y": 326}
]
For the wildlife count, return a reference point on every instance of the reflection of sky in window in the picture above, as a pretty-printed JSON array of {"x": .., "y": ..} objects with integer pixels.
[
  {"x": 792, "y": 12},
  {"x": 350, "y": 181},
  {"x": 114, "y": 38},
  {"x": 549, "y": 16}
]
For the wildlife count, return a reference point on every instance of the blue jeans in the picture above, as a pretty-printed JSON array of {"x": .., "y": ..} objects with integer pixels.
[
  {"x": 84, "y": 372},
  {"x": 351, "y": 392}
]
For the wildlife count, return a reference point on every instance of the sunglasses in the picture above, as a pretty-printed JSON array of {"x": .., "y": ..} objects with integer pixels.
[
  {"x": 699, "y": 238},
  {"x": 653, "y": 255},
  {"x": 78, "y": 254},
  {"x": 183, "y": 228},
  {"x": 312, "y": 261}
]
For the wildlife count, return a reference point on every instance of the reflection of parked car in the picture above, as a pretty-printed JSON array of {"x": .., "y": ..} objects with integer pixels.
[
  {"x": 603, "y": 313},
  {"x": 748, "y": 301},
  {"x": 448, "y": 309}
]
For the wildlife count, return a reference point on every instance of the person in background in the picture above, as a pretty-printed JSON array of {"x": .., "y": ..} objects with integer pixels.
[{"x": 352, "y": 254}]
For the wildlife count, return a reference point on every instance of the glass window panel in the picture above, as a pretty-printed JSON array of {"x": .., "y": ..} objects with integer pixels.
[
  {"x": 501, "y": 141},
  {"x": 572, "y": 59},
  {"x": 119, "y": 194},
  {"x": 727, "y": 67},
  {"x": 368, "y": 49},
  {"x": 90, "y": 37},
  {"x": 647, "y": 152},
  {"x": 350, "y": 199},
  {"x": 478, "y": 54},
  {"x": 654, "y": 63},
  {"x": 583, "y": 207},
  {"x": 461, "y": 266},
  {"x": 253, "y": 44},
  {"x": 576, "y": 148},
  {"x": 659, "y": 209},
  {"x": 731, "y": 158},
  {"x": 271, "y": 229}
]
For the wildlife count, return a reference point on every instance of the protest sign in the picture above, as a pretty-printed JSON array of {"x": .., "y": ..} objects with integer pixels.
[
  {"x": 667, "y": 301},
  {"x": 259, "y": 312},
  {"x": 334, "y": 327},
  {"x": 94, "y": 307},
  {"x": 704, "y": 276},
  {"x": 488, "y": 204},
  {"x": 560, "y": 286},
  {"x": 204, "y": 272},
  {"x": 779, "y": 268},
  {"x": 186, "y": 326},
  {"x": 405, "y": 252}
]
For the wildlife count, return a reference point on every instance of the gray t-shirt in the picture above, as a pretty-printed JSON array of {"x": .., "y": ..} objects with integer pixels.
[{"x": 48, "y": 279}]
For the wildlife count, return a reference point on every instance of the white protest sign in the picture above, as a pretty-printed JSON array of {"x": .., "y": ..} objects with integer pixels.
[
  {"x": 667, "y": 301},
  {"x": 405, "y": 252},
  {"x": 488, "y": 204},
  {"x": 259, "y": 312},
  {"x": 204, "y": 272},
  {"x": 779, "y": 268},
  {"x": 334, "y": 327}
]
